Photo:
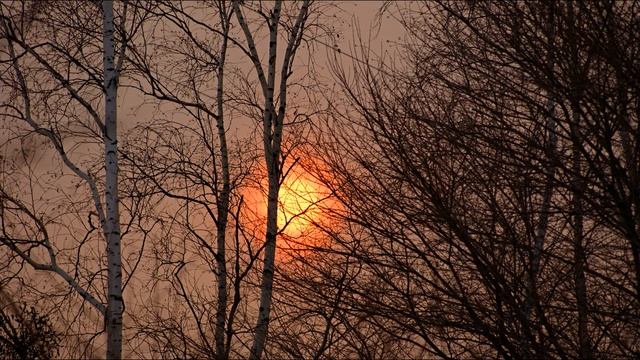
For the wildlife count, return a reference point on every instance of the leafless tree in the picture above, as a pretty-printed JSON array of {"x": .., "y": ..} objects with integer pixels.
[
  {"x": 479, "y": 190},
  {"x": 61, "y": 69},
  {"x": 272, "y": 134},
  {"x": 199, "y": 175},
  {"x": 486, "y": 183}
]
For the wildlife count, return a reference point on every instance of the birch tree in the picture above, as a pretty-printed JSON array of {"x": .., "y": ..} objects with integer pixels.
[
  {"x": 58, "y": 90},
  {"x": 193, "y": 81},
  {"x": 207, "y": 96},
  {"x": 274, "y": 114},
  {"x": 111, "y": 222}
]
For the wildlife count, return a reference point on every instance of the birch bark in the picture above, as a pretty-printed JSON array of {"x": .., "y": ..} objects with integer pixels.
[
  {"x": 273, "y": 121},
  {"x": 106, "y": 208},
  {"x": 223, "y": 199},
  {"x": 115, "y": 303}
]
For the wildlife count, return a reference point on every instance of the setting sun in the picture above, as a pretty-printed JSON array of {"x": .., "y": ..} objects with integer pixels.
[
  {"x": 304, "y": 207},
  {"x": 298, "y": 205}
]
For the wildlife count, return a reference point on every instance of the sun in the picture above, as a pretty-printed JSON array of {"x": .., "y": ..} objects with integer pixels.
[
  {"x": 298, "y": 205},
  {"x": 306, "y": 211}
]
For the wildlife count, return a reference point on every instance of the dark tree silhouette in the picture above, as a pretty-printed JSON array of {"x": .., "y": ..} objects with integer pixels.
[
  {"x": 25, "y": 334},
  {"x": 491, "y": 190}
]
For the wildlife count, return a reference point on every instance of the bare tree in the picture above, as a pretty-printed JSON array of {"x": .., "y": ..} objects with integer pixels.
[
  {"x": 58, "y": 87},
  {"x": 163, "y": 153},
  {"x": 480, "y": 178},
  {"x": 272, "y": 134}
]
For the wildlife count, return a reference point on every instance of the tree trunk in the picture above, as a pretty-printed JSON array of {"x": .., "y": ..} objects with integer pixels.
[
  {"x": 577, "y": 186},
  {"x": 549, "y": 172},
  {"x": 223, "y": 203},
  {"x": 272, "y": 139},
  {"x": 579, "y": 257},
  {"x": 115, "y": 303},
  {"x": 271, "y": 131}
]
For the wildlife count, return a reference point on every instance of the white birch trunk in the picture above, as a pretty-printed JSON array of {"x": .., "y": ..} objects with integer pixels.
[
  {"x": 115, "y": 303},
  {"x": 272, "y": 138},
  {"x": 272, "y": 158},
  {"x": 223, "y": 203},
  {"x": 109, "y": 219}
]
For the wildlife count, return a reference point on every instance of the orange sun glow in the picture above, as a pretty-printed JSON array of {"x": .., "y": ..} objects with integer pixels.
[
  {"x": 299, "y": 200},
  {"x": 302, "y": 211}
]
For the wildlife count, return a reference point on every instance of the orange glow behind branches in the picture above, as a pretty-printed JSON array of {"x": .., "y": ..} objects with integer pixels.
[
  {"x": 302, "y": 205},
  {"x": 298, "y": 205}
]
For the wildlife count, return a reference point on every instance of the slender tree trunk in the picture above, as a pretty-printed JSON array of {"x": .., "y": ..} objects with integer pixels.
[
  {"x": 273, "y": 122},
  {"x": 577, "y": 185},
  {"x": 579, "y": 256},
  {"x": 632, "y": 222},
  {"x": 266, "y": 286},
  {"x": 223, "y": 201},
  {"x": 549, "y": 172},
  {"x": 271, "y": 132},
  {"x": 630, "y": 159},
  {"x": 115, "y": 303}
]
